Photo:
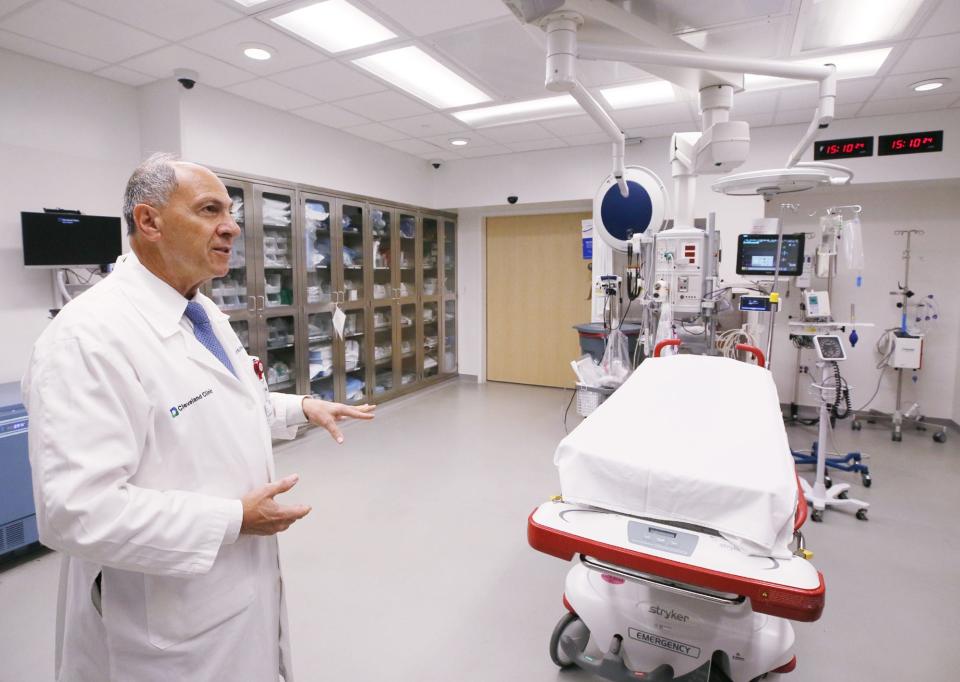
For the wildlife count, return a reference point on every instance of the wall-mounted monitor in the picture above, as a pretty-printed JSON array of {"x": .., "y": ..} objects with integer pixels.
[{"x": 52, "y": 240}]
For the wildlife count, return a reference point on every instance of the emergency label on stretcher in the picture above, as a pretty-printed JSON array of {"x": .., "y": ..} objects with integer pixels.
[{"x": 664, "y": 643}]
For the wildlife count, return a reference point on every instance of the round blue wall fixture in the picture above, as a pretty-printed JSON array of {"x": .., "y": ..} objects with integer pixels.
[{"x": 626, "y": 216}]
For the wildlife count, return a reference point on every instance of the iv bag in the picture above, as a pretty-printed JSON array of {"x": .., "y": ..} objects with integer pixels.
[
  {"x": 665, "y": 328},
  {"x": 852, "y": 240}
]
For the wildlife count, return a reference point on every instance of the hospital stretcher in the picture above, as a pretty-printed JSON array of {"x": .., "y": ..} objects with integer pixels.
[{"x": 661, "y": 601}]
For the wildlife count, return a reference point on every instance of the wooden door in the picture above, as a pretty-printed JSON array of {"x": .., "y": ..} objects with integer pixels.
[{"x": 538, "y": 287}]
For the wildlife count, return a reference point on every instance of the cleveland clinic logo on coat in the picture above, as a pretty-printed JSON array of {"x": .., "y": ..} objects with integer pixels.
[{"x": 175, "y": 411}]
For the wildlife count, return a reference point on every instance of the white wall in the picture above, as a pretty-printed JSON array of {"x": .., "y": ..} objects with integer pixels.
[
  {"x": 225, "y": 131},
  {"x": 932, "y": 206},
  {"x": 67, "y": 140}
]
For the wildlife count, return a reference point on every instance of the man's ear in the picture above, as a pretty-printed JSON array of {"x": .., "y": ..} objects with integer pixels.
[{"x": 148, "y": 222}]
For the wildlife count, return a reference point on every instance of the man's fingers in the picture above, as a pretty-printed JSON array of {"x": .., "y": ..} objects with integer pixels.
[
  {"x": 358, "y": 412},
  {"x": 283, "y": 485},
  {"x": 294, "y": 512},
  {"x": 330, "y": 424}
]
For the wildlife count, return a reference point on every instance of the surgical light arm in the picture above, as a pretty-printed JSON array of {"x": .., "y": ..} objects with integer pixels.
[
  {"x": 561, "y": 77},
  {"x": 825, "y": 75}
]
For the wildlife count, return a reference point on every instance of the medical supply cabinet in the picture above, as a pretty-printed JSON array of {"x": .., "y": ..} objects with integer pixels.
[{"x": 306, "y": 252}]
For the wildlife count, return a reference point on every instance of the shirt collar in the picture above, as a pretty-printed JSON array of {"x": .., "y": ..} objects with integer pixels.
[{"x": 161, "y": 304}]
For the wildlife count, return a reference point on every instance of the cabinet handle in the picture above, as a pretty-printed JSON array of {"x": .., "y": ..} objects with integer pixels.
[
  {"x": 251, "y": 304},
  {"x": 260, "y": 302}
]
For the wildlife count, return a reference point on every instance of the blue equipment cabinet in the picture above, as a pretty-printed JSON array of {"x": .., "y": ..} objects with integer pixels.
[{"x": 18, "y": 519}]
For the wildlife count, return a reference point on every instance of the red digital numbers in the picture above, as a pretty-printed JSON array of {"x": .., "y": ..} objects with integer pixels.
[
  {"x": 911, "y": 143},
  {"x": 841, "y": 149}
]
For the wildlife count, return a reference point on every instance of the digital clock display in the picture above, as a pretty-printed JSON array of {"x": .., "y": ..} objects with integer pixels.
[
  {"x": 843, "y": 149},
  {"x": 910, "y": 143}
]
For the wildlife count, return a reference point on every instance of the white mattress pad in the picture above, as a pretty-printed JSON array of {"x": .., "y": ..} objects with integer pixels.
[{"x": 689, "y": 439}]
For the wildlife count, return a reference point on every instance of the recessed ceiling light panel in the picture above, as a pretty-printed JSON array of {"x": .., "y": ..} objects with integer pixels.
[
  {"x": 849, "y": 65},
  {"x": 249, "y": 3},
  {"x": 929, "y": 84},
  {"x": 460, "y": 141},
  {"x": 838, "y": 23},
  {"x": 413, "y": 70},
  {"x": 520, "y": 112},
  {"x": 639, "y": 94},
  {"x": 334, "y": 25}
]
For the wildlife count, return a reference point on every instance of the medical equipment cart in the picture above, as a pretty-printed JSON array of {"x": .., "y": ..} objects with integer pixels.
[{"x": 18, "y": 521}]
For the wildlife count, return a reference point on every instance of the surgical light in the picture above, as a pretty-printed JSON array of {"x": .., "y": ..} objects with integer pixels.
[
  {"x": 849, "y": 65},
  {"x": 334, "y": 25},
  {"x": 838, "y": 23},
  {"x": 413, "y": 70},
  {"x": 929, "y": 84},
  {"x": 639, "y": 94},
  {"x": 520, "y": 112}
]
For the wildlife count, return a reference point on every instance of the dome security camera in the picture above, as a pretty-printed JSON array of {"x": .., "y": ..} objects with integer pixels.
[
  {"x": 513, "y": 199},
  {"x": 436, "y": 163},
  {"x": 186, "y": 77}
]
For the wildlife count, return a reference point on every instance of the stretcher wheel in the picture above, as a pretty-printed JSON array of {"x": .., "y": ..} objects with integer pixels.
[
  {"x": 843, "y": 495},
  {"x": 867, "y": 481},
  {"x": 896, "y": 437},
  {"x": 862, "y": 514},
  {"x": 817, "y": 515},
  {"x": 856, "y": 426},
  {"x": 569, "y": 620},
  {"x": 827, "y": 482},
  {"x": 940, "y": 437}
]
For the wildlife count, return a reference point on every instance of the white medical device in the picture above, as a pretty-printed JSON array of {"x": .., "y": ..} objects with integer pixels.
[
  {"x": 817, "y": 304},
  {"x": 681, "y": 254},
  {"x": 829, "y": 347},
  {"x": 907, "y": 352}
]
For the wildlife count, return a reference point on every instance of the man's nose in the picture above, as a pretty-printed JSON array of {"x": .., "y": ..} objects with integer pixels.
[{"x": 230, "y": 227}]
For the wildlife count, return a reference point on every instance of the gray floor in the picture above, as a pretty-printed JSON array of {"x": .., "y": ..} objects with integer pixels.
[{"x": 414, "y": 566}]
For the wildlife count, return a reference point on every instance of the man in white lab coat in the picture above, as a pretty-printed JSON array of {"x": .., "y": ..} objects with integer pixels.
[{"x": 150, "y": 442}]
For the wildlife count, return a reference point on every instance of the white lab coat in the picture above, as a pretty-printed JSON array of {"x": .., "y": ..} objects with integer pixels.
[{"x": 142, "y": 444}]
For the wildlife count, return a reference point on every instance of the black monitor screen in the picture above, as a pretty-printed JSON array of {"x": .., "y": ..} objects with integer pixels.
[
  {"x": 64, "y": 239},
  {"x": 757, "y": 255}
]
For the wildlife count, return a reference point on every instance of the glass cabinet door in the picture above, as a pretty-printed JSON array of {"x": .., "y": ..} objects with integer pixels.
[
  {"x": 281, "y": 364},
  {"x": 430, "y": 282},
  {"x": 321, "y": 355},
  {"x": 407, "y": 253},
  {"x": 355, "y": 354},
  {"x": 449, "y": 258},
  {"x": 318, "y": 251},
  {"x": 384, "y": 357},
  {"x": 431, "y": 338},
  {"x": 408, "y": 343},
  {"x": 278, "y": 248},
  {"x": 353, "y": 251},
  {"x": 450, "y": 336},
  {"x": 381, "y": 233}
]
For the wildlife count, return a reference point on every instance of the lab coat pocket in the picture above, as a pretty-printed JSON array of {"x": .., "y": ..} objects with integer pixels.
[{"x": 180, "y": 609}]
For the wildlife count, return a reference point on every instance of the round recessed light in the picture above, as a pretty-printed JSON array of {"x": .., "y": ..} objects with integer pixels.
[
  {"x": 929, "y": 84},
  {"x": 259, "y": 53},
  {"x": 459, "y": 141}
]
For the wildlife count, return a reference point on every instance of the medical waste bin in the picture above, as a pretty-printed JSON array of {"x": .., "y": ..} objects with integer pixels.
[{"x": 593, "y": 338}]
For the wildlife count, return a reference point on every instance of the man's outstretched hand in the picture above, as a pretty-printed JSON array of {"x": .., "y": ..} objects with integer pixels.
[
  {"x": 261, "y": 513},
  {"x": 327, "y": 414}
]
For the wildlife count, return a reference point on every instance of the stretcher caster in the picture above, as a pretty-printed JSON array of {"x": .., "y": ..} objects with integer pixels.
[
  {"x": 862, "y": 514},
  {"x": 896, "y": 436},
  {"x": 844, "y": 495},
  {"x": 856, "y": 426},
  {"x": 867, "y": 481},
  {"x": 570, "y": 625},
  {"x": 817, "y": 515},
  {"x": 940, "y": 437},
  {"x": 827, "y": 482}
]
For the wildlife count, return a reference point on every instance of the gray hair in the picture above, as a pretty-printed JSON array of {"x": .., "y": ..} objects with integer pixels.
[{"x": 152, "y": 183}]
